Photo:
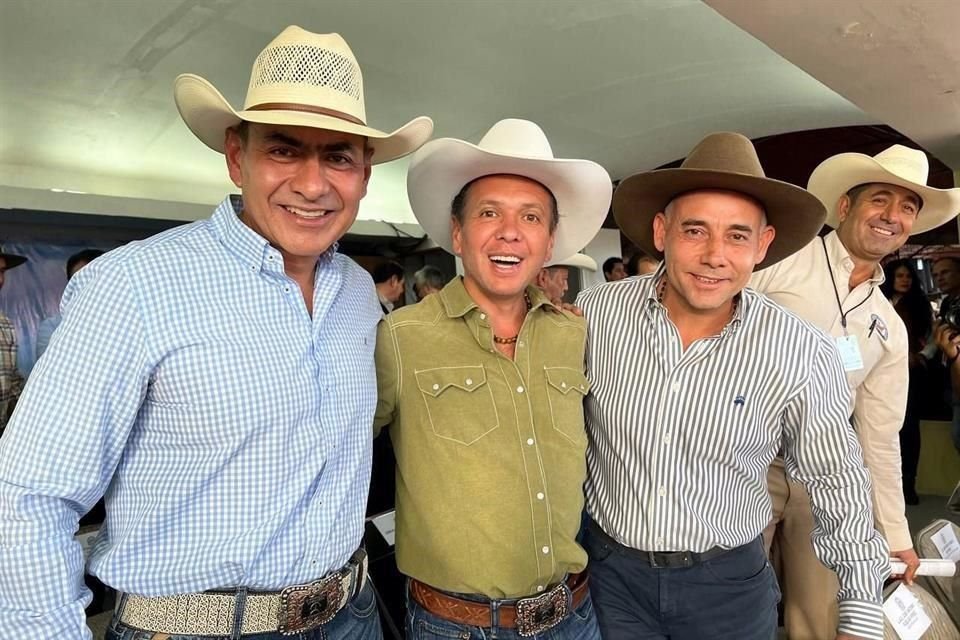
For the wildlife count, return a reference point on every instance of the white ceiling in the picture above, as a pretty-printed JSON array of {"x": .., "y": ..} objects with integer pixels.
[{"x": 86, "y": 86}]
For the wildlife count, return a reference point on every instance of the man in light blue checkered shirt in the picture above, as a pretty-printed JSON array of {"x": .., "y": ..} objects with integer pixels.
[{"x": 216, "y": 383}]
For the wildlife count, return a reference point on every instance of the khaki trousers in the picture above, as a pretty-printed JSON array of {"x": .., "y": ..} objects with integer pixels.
[{"x": 809, "y": 588}]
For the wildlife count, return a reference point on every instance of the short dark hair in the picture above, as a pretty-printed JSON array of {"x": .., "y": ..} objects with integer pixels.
[
  {"x": 610, "y": 263},
  {"x": 81, "y": 258},
  {"x": 954, "y": 259},
  {"x": 386, "y": 270},
  {"x": 459, "y": 200},
  {"x": 854, "y": 193}
]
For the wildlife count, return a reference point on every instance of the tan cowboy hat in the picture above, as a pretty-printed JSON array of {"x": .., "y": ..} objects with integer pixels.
[
  {"x": 725, "y": 161},
  {"x": 12, "y": 259},
  {"x": 578, "y": 260},
  {"x": 899, "y": 165},
  {"x": 517, "y": 147},
  {"x": 300, "y": 79}
]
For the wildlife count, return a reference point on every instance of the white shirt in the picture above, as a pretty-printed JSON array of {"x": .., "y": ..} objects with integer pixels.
[{"x": 803, "y": 285}]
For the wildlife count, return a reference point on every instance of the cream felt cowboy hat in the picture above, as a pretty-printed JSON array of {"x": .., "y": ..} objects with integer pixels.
[
  {"x": 441, "y": 168},
  {"x": 300, "y": 79},
  {"x": 578, "y": 260},
  {"x": 726, "y": 161},
  {"x": 898, "y": 165}
]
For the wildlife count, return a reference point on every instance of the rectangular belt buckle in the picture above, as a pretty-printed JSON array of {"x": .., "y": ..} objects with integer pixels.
[
  {"x": 536, "y": 615},
  {"x": 305, "y": 607}
]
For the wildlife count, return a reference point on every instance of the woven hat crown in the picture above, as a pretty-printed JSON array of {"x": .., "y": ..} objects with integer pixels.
[
  {"x": 310, "y": 69},
  {"x": 728, "y": 152}
]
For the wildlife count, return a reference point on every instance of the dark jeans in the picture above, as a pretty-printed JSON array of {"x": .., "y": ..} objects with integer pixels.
[
  {"x": 358, "y": 620},
  {"x": 581, "y": 624},
  {"x": 733, "y": 596}
]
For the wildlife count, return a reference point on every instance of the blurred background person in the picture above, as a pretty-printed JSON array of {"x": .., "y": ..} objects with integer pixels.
[
  {"x": 47, "y": 326},
  {"x": 613, "y": 269},
  {"x": 427, "y": 280},
  {"x": 554, "y": 282},
  {"x": 903, "y": 289},
  {"x": 641, "y": 264},
  {"x": 388, "y": 278}
]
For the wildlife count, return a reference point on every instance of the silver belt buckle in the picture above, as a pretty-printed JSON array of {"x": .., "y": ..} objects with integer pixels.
[
  {"x": 543, "y": 612},
  {"x": 305, "y": 607}
]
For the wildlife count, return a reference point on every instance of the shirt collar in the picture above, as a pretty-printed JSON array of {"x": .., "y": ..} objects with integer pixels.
[
  {"x": 250, "y": 247},
  {"x": 457, "y": 302},
  {"x": 842, "y": 264}
]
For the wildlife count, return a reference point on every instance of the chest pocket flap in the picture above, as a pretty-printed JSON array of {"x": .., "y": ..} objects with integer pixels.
[
  {"x": 566, "y": 388},
  {"x": 459, "y": 402}
]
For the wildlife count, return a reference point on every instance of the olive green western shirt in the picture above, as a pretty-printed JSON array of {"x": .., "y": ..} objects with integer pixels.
[{"x": 490, "y": 451}]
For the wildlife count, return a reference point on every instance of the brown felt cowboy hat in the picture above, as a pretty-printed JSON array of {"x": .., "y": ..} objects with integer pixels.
[
  {"x": 12, "y": 259},
  {"x": 300, "y": 79},
  {"x": 724, "y": 161}
]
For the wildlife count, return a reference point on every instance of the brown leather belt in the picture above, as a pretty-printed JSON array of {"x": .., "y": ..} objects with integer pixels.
[{"x": 529, "y": 616}]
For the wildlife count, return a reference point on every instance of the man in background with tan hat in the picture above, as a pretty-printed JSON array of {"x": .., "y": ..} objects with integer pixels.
[
  {"x": 875, "y": 204},
  {"x": 695, "y": 383},
  {"x": 482, "y": 385},
  {"x": 11, "y": 382},
  {"x": 216, "y": 382}
]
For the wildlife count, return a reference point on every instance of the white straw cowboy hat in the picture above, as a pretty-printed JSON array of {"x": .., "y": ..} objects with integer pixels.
[
  {"x": 300, "y": 79},
  {"x": 578, "y": 260},
  {"x": 898, "y": 165},
  {"x": 726, "y": 161},
  {"x": 517, "y": 147}
]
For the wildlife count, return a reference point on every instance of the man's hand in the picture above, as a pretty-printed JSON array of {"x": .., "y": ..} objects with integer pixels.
[
  {"x": 908, "y": 557},
  {"x": 947, "y": 339},
  {"x": 572, "y": 308}
]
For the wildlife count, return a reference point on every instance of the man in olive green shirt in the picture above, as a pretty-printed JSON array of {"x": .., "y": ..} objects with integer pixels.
[{"x": 483, "y": 387}]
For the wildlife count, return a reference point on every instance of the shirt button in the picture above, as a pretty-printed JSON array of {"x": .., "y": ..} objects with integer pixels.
[
  {"x": 545, "y": 550},
  {"x": 530, "y": 441},
  {"x": 540, "y": 496},
  {"x": 563, "y": 385},
  {"x": 675, "y": 387},
  {"x": 519, "y": 389},
  {"x": 435, "y": 387},
  {"x": 286, "y": 289},
  {"x": 520, "y": 344},
  {"x": 666, "y": 438},
  {"x": 539, "y": 587},
  {"x": 662, "y": 491},
  {"x": 659, "y": 541},
  {"x": 469, "y": 381},
  {"x": 483, "y": 316}
]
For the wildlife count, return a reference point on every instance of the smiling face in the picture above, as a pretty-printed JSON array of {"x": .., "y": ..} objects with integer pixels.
[
  {"x": 503, "y": 236},
  {"x": 301, "y": 186},
  {"x": 711, "y": 241},
  {"x": 877, "y": 220}
]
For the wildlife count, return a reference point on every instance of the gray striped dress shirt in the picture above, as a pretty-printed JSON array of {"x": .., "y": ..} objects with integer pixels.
[{"x": 680, "y": 441}]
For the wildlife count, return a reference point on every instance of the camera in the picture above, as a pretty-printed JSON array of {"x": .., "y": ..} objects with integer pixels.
[{"x": 950, "y": 312}]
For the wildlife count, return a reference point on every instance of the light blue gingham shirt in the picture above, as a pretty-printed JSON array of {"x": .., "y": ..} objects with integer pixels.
[{"x": 229, "y": 430}]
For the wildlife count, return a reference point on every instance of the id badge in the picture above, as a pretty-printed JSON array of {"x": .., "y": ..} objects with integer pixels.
[{"x": 849, "y": 353}]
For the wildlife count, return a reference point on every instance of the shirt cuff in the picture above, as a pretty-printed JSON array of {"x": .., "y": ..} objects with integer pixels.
[{"x": 861, "y": 619}]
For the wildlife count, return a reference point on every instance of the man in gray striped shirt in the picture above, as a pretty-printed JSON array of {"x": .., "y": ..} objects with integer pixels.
[{"x": 696, "y": 384}]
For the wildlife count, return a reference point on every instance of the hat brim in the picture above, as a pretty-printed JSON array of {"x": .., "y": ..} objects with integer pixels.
[
  {"x": 578, "y": 260},
  {"x": 442, "y": 167},
  {"x": 208, "y": 115},
  {"x": 796, "y": 214},
  {"x": 12, "y": 260},
  {"x": 838, "y": 174}
]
